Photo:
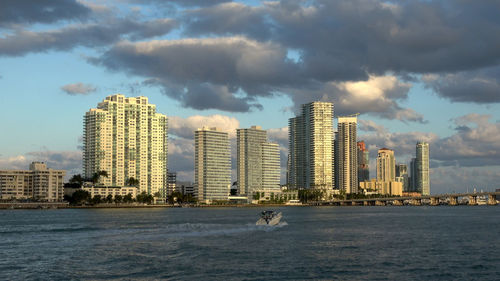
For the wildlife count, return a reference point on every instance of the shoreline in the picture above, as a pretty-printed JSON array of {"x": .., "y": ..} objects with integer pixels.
[{"x": 64, "y": 205}]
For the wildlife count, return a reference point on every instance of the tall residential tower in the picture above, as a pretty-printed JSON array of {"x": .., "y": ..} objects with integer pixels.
[
  {"x": 363, "y": 162},
  {"x": 386, "y": 165},
  {"x": 346, "y": 154},
  {"x": 311, "y": 147},
  {"x": 212, "y": 165},
  {"x": 127, "y": 138},
  {"x": 258, "y": 161},
  {"x": 422, "y": 180}
]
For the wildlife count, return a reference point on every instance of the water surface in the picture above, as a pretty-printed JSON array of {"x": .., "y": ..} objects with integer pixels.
[{"x": 356, "y": 243}]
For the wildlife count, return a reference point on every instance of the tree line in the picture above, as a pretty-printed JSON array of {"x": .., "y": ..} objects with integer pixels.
[{"x": 83, "y": 197}]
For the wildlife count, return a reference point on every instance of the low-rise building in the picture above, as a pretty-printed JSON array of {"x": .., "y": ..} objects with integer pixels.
[
  {"x": 274, "y": 194},
  {"x": 104, "y": 191},
  {"x": 37, "y": 183},
  {"x": 382, "y": 187}
]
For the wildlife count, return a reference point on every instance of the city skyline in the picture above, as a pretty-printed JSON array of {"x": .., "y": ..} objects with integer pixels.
[{"x": 412, "y": 74}]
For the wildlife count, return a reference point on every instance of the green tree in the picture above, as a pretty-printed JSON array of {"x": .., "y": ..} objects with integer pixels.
[
  {"x": 97, "y": 199},
  {"x": 97, "y": 176},
  {"x": 78, "y": 179},
  {"x": 80, "y": 197},
  {"x": 128, "y": 198},
  {"x": 145, "y": 198},
  {"x": 132, "y": 182},
  {"x": 109, "y": 198},
  {"x": 118, "y": 198}
]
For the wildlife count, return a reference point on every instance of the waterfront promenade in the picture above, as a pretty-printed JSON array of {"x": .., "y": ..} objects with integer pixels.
[
  {"x": 434, "y": 200},
  {"x": 452, "y": 199}
]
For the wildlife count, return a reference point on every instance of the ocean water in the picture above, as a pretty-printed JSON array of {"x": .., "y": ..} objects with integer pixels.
[{"x": 327, "y": 243}]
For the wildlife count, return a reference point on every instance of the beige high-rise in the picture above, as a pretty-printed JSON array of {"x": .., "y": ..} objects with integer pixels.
[
  {"x": 386, "y": 165},
  {"x": 346, "y": 154},
  {"x": 212, "y": 165},
  {"x": 127, "y": 138}
]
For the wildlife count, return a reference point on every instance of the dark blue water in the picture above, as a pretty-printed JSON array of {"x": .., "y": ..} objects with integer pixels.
[{"x": 356, "y": 243}]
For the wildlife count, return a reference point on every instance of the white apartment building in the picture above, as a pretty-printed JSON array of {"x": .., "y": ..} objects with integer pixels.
[
  {"x": 104, "y": 191},
  {"x": 38, "y": 183},
  {"x": 258, "y": 161},
  {"x": 212, "y": 165},
  {"x": 127, "y": 138},
  {"x": 346, "y": 154},
  {"x": 311, "y": 147}
]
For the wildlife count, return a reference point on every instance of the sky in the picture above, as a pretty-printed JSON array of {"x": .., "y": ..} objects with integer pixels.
[{"x": 414, "y": 70}]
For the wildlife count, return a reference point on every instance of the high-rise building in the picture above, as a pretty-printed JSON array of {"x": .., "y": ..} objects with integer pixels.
[
  {"x": 422, "y": 180},
  {"x": 171, "y": 182},
  {"x": 363, "y": 162},
  {"x": 258, "y": 161},
  {"x": 413, "y": 175},
  {"x": 386, "y": 165},
  {"x": 311, "y": 147},
  {"x": 346, "y": 155},
  {"x": 271, "y": 166},
  {"x": 402, "y": 176},
  {"x": 37, "y": 183},
  {"x": 127, "y": 138},
  {"x": 212, "y": 165}
]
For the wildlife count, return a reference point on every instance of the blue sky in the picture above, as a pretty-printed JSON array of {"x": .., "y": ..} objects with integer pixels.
[{"x": 415, "y": 70}]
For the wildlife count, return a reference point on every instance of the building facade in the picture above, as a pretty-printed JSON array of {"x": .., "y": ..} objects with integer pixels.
[
  {"x": 271, "y": 166},
  {"x": 212, "y": 165},
  {"x": 104, "y": 191},
  {"x": 311, "y": 147},
  {"x": 363, "y": 162},
  {"x": 402, "y": 176},
  {"x": 346, "y": 155},
  {"x": 171, "y": 183},
  {"x": 37, "y": 183},
  {"x": 249, "y": 158},
  {"x": 127, "y": 138},
  {"x": 382, "y": 187},
  {"x": 386, "y": 165},
  {"x": 422, "y": 180}
]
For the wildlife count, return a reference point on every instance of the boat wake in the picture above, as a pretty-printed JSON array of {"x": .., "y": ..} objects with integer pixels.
[{"x": 200, "y": 229}]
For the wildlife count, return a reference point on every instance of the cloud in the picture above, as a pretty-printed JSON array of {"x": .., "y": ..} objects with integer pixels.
[
  {"x": 476, "y": 142},
  {"x": 453, "y": 179},
  {"x": 238, "y": 19},
  {"x": 41, "y": 11},
  {"x": 210, "y": 73},
  {"x": 478, "y": 86},
  {"x": 66, "y": 38},
  {"x": 185, "y": 127},
  {"x": 378, "y": 96},
  {"x": 78, "y": 89},
  {"x": 71, "y": 161},
  {"x": 183, "y": 3},
  {"x": 353, "y": 41}
]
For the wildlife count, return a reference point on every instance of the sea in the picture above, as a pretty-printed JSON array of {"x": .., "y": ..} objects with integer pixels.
[{"x": 310, "y": 243}]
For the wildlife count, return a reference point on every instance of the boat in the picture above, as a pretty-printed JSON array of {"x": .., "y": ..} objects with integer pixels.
[
  {"x": 481, "y": 200},
  {"x": 269, "y": 218}
]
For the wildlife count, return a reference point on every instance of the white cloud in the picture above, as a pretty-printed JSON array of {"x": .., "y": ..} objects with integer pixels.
[
  {"x": 185, "y": 127},
  {"x": 78, "y": 89}
]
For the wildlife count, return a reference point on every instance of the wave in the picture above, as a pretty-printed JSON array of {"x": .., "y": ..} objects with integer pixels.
[{"x": 201, "y": 229}]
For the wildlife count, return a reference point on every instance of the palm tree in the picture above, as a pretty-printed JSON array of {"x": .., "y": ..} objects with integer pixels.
[{"x": 132, "y": 182}]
